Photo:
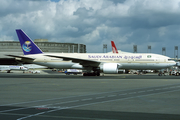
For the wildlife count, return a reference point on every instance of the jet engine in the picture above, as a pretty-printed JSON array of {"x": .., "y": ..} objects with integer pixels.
[{"x": 110, "y": 68}]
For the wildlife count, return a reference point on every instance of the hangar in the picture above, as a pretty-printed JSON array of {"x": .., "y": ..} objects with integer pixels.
[{"x": 14, "y": 48}]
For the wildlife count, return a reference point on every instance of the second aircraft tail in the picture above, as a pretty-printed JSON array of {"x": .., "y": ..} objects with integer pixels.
[{"x": 114, "y": 49}]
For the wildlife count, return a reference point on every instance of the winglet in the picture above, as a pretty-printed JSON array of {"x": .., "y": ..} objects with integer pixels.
[
  {"x": 27, "y": 45},
  {"x": 114, "y": 49}
]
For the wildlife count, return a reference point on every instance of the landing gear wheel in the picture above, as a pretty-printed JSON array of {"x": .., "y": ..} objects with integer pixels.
[
  {"x": 98, "y": 74},
  {"x": 91, "y": 74},
  {"x": 160, "y": 74},
  {"x": 177, "y": 74},
  {"x": 84, "y": 74},
  {"x": 169, "y": 73}
]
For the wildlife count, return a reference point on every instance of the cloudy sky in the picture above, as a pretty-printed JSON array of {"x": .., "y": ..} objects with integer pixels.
[{"x": 96, "y": 22}]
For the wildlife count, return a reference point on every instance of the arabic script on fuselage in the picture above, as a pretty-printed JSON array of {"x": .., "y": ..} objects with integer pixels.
[{"x": 114, "y": 56}]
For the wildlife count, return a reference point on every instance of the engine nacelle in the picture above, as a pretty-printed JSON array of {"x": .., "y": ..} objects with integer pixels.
[{"x": 110, "y": 68}]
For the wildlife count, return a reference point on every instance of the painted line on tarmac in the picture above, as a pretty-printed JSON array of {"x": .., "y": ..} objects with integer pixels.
[
  {"x": 39, "y": 106},
  {"x": 123, "y": 94},
  {"x": 150, "y": 90},
  {"x": 141, "y": 91},
  {"x": 86, "y": 99},
  {"x": 77, "y": 100},
  {"x": 156, "y": 88},
  {"x": 33, "y": 115},
  {"x": 57, "y": 103},
  {"x": 111, "y": 96},
  {"x": 43, "y": 100},
  {"x": 100, "y": 97},
  {"x": 14, "y": 109}
]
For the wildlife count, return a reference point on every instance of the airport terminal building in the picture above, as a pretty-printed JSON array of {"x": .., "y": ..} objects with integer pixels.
[{"x": 14, "y": 48}]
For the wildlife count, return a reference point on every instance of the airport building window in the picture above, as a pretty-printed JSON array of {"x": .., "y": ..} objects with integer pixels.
[{"x": 14, "y": 46}]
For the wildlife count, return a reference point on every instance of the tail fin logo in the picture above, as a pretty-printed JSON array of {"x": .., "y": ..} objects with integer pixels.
[
  {"x": 27, "y": 46},
  {"x": 114, "y": 50}
]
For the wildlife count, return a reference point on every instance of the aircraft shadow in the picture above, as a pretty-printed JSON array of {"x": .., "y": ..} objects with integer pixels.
[{"x": 74, "y": 114}]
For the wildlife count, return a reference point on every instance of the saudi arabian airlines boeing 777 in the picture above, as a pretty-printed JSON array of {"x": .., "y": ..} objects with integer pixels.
[{"x": 93, "y": 63}]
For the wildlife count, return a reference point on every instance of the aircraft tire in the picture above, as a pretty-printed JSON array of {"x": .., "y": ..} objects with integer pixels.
[
  {"x": 98, "y": 74},
  {"x": 177, "y": 74},
  {"x": 89, "y": 74},
  {"x": 160, "y": 74}
]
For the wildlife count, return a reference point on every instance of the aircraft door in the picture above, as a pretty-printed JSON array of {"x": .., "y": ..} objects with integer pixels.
[
  {"x": 157, "y": 60},
  {"x": 45, "y": 60},
  {"x": 130, "y": 60}
]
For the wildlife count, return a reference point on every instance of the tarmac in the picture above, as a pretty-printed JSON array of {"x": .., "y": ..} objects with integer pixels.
[{"x": 56, "y": 96}]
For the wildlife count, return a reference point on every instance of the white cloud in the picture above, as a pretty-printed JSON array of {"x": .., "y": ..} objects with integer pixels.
[
  {"x": 114, "y": 11},
  {"x": 93, "y": 22},
  {"x": 69, "y": 28},
  {"x": 162, "y": 31},
  {"x": 6, "y": 38},
  {"x": 125, "y": 37},
  {"x": 91, "y": 37}
]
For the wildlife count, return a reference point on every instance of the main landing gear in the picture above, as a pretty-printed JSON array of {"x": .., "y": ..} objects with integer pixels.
[
  {"x": 92, "y": 74},
  {"x": 92, "y": 71},
  {"x": 163, "y": 72}
]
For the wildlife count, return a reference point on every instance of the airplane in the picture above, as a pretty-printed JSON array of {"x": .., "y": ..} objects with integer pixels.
[
  {"x": 93, "y": 63},
  {"x": 114, "y": 50},
  {"x": 8, "y": 68}
]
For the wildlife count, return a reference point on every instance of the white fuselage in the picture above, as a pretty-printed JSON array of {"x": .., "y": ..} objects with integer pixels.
[{"x": 126, "y": 61}]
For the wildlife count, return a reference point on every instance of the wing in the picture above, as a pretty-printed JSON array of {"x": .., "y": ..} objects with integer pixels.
[
  {"x": 84, "y": 62},
  {"x": 17, "y": 56}
]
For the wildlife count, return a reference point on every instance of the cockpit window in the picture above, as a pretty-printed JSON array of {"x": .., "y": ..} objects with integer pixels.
[{"x": 170, "y": 59}]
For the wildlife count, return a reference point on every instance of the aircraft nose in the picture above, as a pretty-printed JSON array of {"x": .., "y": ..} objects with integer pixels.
[
  {"x": 172, "y": 64},
  {"x": 177, "y": 64}
]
